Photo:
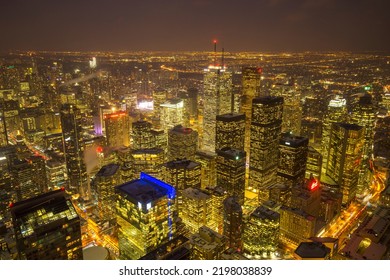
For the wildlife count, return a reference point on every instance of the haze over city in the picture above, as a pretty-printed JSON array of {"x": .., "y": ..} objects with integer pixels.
[{"x": 176, "y": 25}]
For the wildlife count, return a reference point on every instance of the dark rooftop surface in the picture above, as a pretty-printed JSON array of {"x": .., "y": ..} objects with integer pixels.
[
  {"x": 108, "y": 170},
  {"x": 231, "y": 117},
  {"x": 312, "y": 250}
]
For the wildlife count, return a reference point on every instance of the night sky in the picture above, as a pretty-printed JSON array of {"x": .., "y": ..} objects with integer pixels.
[{"x": 169, "y": 25}]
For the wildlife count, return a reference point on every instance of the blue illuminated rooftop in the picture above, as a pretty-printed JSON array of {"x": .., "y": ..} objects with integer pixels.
[{"x": 146, "y": 189}]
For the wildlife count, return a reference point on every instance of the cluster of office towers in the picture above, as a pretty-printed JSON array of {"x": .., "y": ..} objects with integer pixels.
[{"x": 234, "y": 182}]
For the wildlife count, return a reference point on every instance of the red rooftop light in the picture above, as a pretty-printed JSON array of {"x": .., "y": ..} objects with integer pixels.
[
  {"x": 11, "y": 205},
  {"x": 63, "y": 189}
]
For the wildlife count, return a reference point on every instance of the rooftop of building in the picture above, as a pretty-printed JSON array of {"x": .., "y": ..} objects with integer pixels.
[
  {"x": 207, "y": 239},
  {"x": 216, "y": 190},
  {"x": 173, "y": 103},
  {"x": 231, "y": 204},
  {"x": 291, "y": 140},
  {"x": 231, "y": 153},
  {"x": 174, "y": 249},
  {"x": 148, "y": 151},
  {"x": 268, "y": 100},
  {"x": 146, "y": 189},
  {"x": 41, "y": 211},
  {"x": 196, "y": 194},
  {"x": 349, "y": 126},
  {"x": 108, "y": 170},
  {"x": 230, "y": 117},
  {"x": 262, "y": 212},
  {"x": 312, "y": 250},
  {"x": 181, "y": 129},
  {"x": 182, "y": 164},
  {"x": 141, "y": 123}
]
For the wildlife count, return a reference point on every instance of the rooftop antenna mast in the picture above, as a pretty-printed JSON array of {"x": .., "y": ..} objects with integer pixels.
[{"x": 215, "y": 52}]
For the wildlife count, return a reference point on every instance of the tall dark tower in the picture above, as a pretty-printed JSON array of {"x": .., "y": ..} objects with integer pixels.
[
  {"x": 3, "y": 129},
  {"x": 266, "y": 126},
  {"x": 73, "y": 148},
  {"x": 292, "y": 159},
  {"x": 231, "y": 172},
  {"x": 232, "y": 223},
  {"x": 230, "y": 131}
]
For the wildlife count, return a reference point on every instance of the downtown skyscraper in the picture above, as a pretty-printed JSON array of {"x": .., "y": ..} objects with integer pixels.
[
  {"x": 266, "y": 128},
  {"x": 217, "y": 82},
  {"x": 47, "y": 227},
  {"x": 251, "y": 77},
  {"x": 73, "y": 148},
  {"x": 344, "y": 158}
]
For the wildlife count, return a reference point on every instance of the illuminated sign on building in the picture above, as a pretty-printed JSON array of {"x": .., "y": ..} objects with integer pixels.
[
  {"x": 314, "y": 184},
  {"x": 145, "y": 105}
]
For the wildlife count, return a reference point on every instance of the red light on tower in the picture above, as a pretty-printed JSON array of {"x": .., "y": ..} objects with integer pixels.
[
  {"x": 215, "y": 41},
  {"x": 11, "y": 205},
  {"x": 259, "y": 70},
  {"x": 314, "y": 184},
  {"x": 63, "y": 189},
  {"x": 99, "y": 149}
]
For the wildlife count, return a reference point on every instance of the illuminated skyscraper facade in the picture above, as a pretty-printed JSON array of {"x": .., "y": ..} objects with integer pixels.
[
  {"x": 117, "y": 129},
  {"x": 73, "y": 148},
  {"x": 56, "y": 174},
  {"x": 209, "y": 168},
  {"x": 232, "y": 223},
  {"x": 125, "y": 160},
  {"x": 364, "y": 114},
  {"x": 292, "y": 159},
  {"x": 313, "y": 164},
  {"x": 196, "y": 209},
  {"x": 105, "y": 181},
  {"x": 142, "y": 136},
  {"x": 344, "y": 157},
  {"x": 145, "y": 210},
  {"x": 337, "y": 112},
  {"x": 182, "y": 143},
  {"x": 296, "y": 225},
  {"x": 148, "y": 161},
  {"x": 307, "y": 197},
  {"x": 230, "y": 131},
  {"x": 218, "y": 196},
  {"x": 292, "y": 110},
  {"x": 182, "y": 174},
  {"x": 217, "y": 84},
  {"x": 47, "y": 227},
  {"x": 251, "y": 77},
  {"x": 172, "y": 113},
  {"x": 261, "y": 232},
  {"x": 3, "y": 129},
  {"x": 265, "y": 134},
  {"x": 22, "y": 178},
  {"x": 39, "y": 177},
  {"x": 231, "y": 172},
  {"x": 159, "y": 97}
]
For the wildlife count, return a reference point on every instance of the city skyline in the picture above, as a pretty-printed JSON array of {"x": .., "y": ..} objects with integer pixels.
[{"x": 272, "y": 25}]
